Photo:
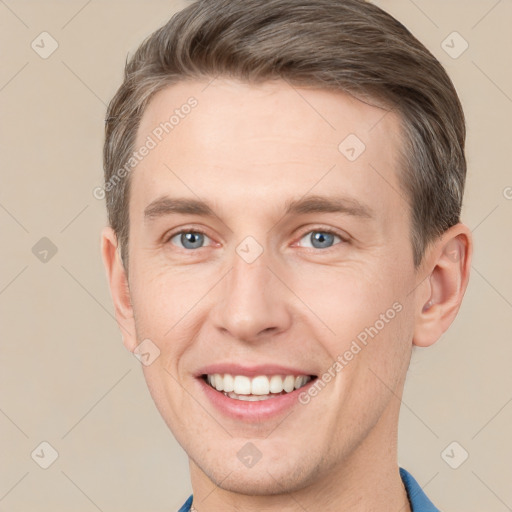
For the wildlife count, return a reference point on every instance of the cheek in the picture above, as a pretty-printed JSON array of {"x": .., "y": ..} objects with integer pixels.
[
  {"x": 370, "y": 320},
  {"x": 164, "y": 297},
  {"x": 348, "y": 300}
]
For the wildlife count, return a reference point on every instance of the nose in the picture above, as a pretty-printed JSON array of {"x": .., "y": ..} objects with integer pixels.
[{"x": 255, "y": 303}]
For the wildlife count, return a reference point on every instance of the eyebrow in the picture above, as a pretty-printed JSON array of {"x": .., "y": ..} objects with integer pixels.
[{"x": 310, "y": 204}]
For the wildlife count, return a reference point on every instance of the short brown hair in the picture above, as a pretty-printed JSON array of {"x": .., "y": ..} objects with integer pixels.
[{"x": 348, "y": 45}]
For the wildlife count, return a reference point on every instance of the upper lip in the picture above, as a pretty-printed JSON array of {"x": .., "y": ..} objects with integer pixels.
[{"x": 251, "y": 370}]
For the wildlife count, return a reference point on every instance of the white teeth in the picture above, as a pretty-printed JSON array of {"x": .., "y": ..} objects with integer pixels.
[
  {"x": 276, "y": 384},
  {"x": 260, "y": 385},
  {"x": 289, "y": 383},
  {"x": 236, "y": 386},
  {"x": 300, "y": 381},
  {"x": 242, "y": 385},
  {"x": 248, "y": 398},
  {"x": 229, "y": 383},
  {"x": 219, "y": 382}
]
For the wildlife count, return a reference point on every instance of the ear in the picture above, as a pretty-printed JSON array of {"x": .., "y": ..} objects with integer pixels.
[
  {"x": 440, "y": 294},
  {"x": 119, "y": 289}
]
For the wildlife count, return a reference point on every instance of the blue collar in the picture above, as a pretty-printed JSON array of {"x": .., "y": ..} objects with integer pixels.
[{"x": 417, "y": 498}]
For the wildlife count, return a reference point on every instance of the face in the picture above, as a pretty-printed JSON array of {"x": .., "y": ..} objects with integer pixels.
[{"x": 269, "y": 238}]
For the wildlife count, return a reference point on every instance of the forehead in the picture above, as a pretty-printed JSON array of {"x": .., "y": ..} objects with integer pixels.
[{"x": 270, "y": 140}]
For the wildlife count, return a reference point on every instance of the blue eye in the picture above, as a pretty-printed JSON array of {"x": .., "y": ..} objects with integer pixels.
[
  {"x": 194, "y": 239},
  {"x": 190, "y": 239},
  {"x": 321, "y": 239}
]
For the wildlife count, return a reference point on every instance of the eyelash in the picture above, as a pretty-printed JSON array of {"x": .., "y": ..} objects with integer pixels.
[{"x": 344, "y": 239}]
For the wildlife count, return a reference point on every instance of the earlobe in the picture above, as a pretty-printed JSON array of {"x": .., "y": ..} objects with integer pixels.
[
  {"x": 119, "y": 289},
  {"x": 441, "y": 294}
]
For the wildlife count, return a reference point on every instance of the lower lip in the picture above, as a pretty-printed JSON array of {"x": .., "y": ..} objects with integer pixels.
[{"x": 258, "y": 411}]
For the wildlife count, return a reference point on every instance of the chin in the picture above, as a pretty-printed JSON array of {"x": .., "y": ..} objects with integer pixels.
[{"x": 263, "y": 479}]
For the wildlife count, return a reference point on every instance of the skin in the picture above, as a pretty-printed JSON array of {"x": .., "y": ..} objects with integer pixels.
[{"x": 248, "y": 149}]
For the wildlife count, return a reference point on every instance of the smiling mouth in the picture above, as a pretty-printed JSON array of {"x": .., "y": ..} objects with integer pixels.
[{"x": 262, "y": 387}]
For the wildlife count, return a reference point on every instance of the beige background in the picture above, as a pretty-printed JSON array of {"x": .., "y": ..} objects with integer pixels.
[{"x": 65, "y": 377}]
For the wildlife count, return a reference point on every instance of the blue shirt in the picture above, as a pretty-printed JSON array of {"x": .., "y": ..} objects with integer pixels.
[{"x": 417, "y": 498}]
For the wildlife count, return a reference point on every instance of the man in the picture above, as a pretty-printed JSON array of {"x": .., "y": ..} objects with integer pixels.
[{"x": 284, "y": 181}]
